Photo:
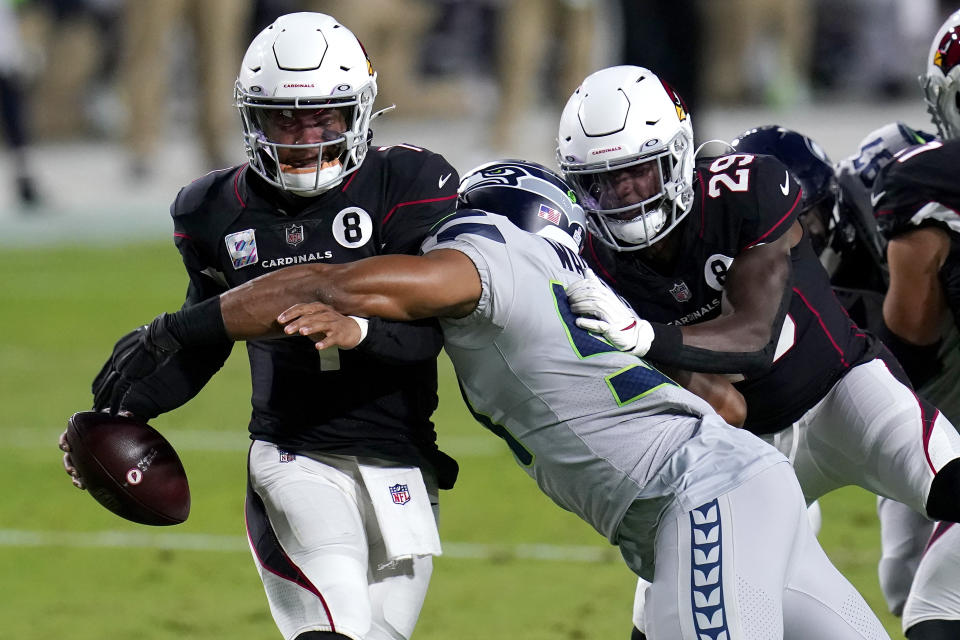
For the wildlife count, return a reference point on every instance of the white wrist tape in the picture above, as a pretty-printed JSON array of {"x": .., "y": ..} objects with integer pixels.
[{"x": 364, "y": 325}]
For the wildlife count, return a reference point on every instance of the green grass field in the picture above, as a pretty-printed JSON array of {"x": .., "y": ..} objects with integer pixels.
[{"x": 515, "y": 566}]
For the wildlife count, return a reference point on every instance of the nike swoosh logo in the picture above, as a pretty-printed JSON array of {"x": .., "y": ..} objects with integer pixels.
[
  {"x": 875, "y": 198},
  {"x": 785, "y": 187},
  {"x": 443, "y": 180}
]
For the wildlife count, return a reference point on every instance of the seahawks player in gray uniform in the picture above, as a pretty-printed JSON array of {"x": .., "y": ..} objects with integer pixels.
[{"x": 711, "y": 514}]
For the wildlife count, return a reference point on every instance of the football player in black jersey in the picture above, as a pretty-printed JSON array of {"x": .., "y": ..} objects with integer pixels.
[
  {"x": 338, "y": 440},
  {"x": 907, "y": 178},
  {"x": 917, "y": 204},
  {"x": 852, "y": 251},
  {"x": 723, "y": 279}
]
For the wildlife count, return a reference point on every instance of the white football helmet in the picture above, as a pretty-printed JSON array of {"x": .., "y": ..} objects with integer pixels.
[
  {"x": 620, "y": 120},
  {"x": 303, "y": 63},
  {"x": 941, "y": 82}
]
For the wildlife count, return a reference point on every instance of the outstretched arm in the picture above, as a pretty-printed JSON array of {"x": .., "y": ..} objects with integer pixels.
[{"x": 441, "y": 283}]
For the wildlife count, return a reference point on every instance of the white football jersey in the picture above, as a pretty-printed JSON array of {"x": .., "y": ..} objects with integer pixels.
[{"x": 595, "y": 427}]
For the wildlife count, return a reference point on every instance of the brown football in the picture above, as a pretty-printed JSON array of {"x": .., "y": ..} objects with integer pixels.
[{"x": 129, "y": 468}]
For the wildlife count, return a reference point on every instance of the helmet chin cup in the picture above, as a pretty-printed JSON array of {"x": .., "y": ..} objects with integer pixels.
[
  {"x": 312, "y": 183},
  {"x": 642, "y": 230}
]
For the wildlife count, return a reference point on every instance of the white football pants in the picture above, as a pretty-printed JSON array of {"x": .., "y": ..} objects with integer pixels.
[
  {"x": 871, "y": 431},
  {"x": 319, "y": 549},
  {"x": 933, "y": 593},
  {"x": 746, "y": 566}
]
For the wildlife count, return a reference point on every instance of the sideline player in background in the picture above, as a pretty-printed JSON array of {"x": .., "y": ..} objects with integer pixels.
[
  {"x": 13, "y": 103},
  {"x": 340, "y": 554},
  {"x": 708, "y": 512},
  {"x": 735, "y": 287}
]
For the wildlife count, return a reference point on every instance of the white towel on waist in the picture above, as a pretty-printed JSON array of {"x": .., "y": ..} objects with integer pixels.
[{"x": 402, "y": 505}]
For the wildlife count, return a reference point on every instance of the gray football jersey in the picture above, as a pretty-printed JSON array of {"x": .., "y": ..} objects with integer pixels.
[{"x": 595, "y": 427}]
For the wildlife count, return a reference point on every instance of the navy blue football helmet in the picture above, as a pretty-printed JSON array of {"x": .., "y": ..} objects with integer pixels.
[
  {"x": 532, "y": 196},
  {"x": 811, "y": 167},
  {"x": 835, "y": 208}
]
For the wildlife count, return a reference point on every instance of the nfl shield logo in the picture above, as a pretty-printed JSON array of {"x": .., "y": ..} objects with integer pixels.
[
  {"x": 294, "y": 234},
  {"x": 680, "y": 292},
  {"x": 286, "y": 456},
  {"x": 400, "y": 494}
]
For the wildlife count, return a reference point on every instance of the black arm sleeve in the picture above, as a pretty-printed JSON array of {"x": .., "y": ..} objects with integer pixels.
[
  {"x": 920, "y": 362},
  {"x": 402, "y": 342},
  {"x": 176, "y": 381},
  {"x": 181, "y": 376},
  {"x": 667, "y": 347}
]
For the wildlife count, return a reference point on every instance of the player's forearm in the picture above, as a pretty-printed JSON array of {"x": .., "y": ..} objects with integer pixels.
[
  {"x": 391, "y": 287},
  {"x": 442, "y": 283},
  {"x": 742, "y": 341},
  {"x": 715, "y": 389},
  {"x": 250, "y": 310}
]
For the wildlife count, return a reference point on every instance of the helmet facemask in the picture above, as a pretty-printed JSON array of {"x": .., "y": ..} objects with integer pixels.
[
  {"x": 942, "y": 96},
  {"x": 336, "y": 130},
  {"x": 632, "y": 203}
]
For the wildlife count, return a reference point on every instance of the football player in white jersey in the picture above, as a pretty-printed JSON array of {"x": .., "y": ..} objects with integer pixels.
[{"x": 709, "y": 513}]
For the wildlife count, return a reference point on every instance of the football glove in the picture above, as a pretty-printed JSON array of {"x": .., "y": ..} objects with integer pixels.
[
  {"x": 136, "y": 356},
  {"x": 603, "y": 312}
]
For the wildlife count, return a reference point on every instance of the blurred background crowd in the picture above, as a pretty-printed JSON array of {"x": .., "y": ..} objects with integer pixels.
[{"x": 135, "y": 76}]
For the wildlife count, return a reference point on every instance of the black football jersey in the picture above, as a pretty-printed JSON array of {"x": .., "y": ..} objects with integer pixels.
[
  {"x": 921, "y": 188},
  {"x": 377, "y": 399},
  {"x": 742, "y": 201}
]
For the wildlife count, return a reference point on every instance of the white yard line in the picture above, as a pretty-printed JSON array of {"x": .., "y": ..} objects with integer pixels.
[
  {"x": 221, "y": 543},
  {"x": 479, "y": 445}
]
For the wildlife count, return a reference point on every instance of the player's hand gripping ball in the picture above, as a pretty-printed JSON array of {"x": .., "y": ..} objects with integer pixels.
[{"x": 127, "y": 466}]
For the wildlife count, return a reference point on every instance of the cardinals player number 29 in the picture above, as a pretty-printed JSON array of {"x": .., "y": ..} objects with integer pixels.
[{"x": 740, "y": 181}]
